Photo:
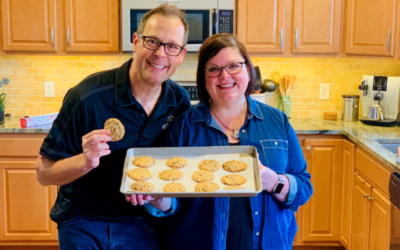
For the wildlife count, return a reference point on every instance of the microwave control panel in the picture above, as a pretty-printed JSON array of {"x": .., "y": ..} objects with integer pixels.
[
  {"x": 225, "y": 21},
  {"x": 192, "y": 90}
]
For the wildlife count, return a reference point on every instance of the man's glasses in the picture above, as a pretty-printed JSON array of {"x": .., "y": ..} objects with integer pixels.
[
  {"x": 153, "y": 44},
  {"x": 232, "y": 69}
]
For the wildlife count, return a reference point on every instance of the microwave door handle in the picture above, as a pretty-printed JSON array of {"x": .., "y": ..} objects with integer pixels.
[{"x": 214, "y": 21}]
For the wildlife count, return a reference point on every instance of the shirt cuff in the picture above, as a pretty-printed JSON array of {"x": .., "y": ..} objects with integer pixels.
[
  {"x": 292, "y": 189},
  {"x": 158, "y": 213}
]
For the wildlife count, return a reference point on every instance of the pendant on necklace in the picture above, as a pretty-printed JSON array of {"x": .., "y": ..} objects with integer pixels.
[{"x": 235, "y": 134}]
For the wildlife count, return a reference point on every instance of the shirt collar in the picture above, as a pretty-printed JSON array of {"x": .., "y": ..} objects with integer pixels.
[
  {"x": 202, "y": 113},
  {"x": 123, "y": 89}
]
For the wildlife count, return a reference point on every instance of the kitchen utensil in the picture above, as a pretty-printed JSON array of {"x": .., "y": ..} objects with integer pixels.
[
  {"x": 292, "y": 80},
  {"x": 275, "y": 76},
  {"x": 282, "y": 88},
  {"x": 287, "y": 78},
  {"x": 257, "y": 87},
  {"x": 330, "y": 115},
  {"x": 268, "y": 86},
  {"x": 350, "y": 108},
  {"x": 375, "y": 113}
]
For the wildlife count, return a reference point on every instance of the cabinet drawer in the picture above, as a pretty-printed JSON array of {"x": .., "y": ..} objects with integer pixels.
[
  {"x": 17, "y": 146},
  {"x": 373, "y": 170}
]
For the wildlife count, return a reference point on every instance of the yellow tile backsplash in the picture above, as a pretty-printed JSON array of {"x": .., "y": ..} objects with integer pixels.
[{"x": 27, "y": 74}]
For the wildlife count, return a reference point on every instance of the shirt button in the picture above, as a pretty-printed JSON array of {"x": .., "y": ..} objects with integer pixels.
[
  {"x": 243, "y": 131},
  {"x": 257, "y": 233},
  {"x": 256, "y": 213},
  {"x": 276, "y": 143}
]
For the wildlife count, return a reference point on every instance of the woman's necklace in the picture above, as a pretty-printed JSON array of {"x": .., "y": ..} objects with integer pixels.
[{"x": 235, "y": 133}]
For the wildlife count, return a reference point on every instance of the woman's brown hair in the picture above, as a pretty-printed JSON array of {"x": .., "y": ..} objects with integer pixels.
[{"x": 210, "y": 48}]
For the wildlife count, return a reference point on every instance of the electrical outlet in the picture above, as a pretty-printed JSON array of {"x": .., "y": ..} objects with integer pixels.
[
  {"x": 324, "y": 91},
  {"x": 48, "y": 89}
]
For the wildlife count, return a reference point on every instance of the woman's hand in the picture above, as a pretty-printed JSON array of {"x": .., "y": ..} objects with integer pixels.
[
  {"x": 268, "y": 177},
  {"x": 161, "y": 203}
]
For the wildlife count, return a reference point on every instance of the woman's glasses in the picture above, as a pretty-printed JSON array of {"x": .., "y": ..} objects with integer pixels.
[{"x": 232, "y": 69}]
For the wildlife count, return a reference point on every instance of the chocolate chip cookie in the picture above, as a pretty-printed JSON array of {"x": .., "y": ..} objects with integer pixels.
[
  {"x": 176, "y": 162},
  {"x": 209, "y": 165},
  {"x": 174, "y": 187},
  {"x": 202, "y": 175},
  {"x": 144, "y": 162},
  {"x": 233, "y": 180},
  {"x": 170, "y": 175},
  {"x": 206, "y": 187},
  {"x": 140, "y": 174},
  {"x": 142, "y": 186},
  {"x": 116, "y": 128},
  {"x": 234, "y": 166}
]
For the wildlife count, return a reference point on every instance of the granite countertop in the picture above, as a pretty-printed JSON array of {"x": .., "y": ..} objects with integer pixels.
[{"x": 365, "y": 136}]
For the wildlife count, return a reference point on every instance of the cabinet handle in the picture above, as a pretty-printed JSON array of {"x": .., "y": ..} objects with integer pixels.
[
  {"x": 308, "y": 149},
  {"x": 365, "y": 196},
  {"x": 52, "y": 37},
  {"x": 297, "y": 37},
  {"x": 68, "y": 36},
  {"x": 281, "y": 38},
  {"x": 388, "y": 41},
  {"x": 355, "y": 174},
  {"x": 370, "y": 199}
]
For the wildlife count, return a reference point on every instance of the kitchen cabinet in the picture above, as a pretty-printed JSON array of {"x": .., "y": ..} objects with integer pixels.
[
  {"x": 58, "y": 26},
  {"x": 24, "y": 204},
  {"x": 348, "y": 154},
  {"x": 371, "y": 27},
  {"x": 92, "y": 29},
  {"x": 29, "y": 25},
  {"x": 316, "y": 26},
  {"x": 290, "y": 26},
  {"x": 321, "y": 214},
  {"x": 370, "y": 218},
  {"x": 261, "y": 25}
]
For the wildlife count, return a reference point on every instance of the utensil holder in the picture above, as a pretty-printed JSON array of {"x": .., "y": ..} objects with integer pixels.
[{"x": 285, "y": 105}]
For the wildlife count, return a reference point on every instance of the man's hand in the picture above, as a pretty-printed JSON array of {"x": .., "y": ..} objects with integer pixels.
[
  {"x": 95, "y": 146},
  {"x": 138, "y": 199}
]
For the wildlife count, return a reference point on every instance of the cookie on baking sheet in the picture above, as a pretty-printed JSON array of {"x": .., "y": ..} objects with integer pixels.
[
  {"x": 233, "y": 187},
  {"x": 174, "y": 187},
  {"x": 209, "y": 165},
  {"x": 140, "y": 174},
  {"x": 142, "y": 186},
  {"x": 234, "y": 166},
  {"x": 202, "y": 175},
  {"x": 206, "y": 187},
  {"x": 176, "y": 162},
  {"x": 144, "y": 162},
  {"x": 233, "y": 180},
  {"x": 116, "y": 128},
  {"x": 170, "y": 175}
]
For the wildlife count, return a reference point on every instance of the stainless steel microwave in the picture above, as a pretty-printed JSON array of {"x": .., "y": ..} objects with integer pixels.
[{"x": 204, "y": 17}]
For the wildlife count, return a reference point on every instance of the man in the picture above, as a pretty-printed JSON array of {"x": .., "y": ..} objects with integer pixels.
[{"x": 78, "y": 153}]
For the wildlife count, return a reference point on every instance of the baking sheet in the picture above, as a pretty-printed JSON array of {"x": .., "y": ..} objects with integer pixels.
[{"x": 193, "y": 156}]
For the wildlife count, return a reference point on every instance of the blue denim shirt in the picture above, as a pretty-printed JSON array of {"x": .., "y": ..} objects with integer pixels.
[{"x": 274, "y": 223}]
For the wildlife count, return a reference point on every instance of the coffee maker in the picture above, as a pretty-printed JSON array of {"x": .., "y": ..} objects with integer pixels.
[{"x": 380, "y": 99}]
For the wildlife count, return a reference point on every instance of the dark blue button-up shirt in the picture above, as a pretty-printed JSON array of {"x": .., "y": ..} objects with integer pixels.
[
  {"x": 85, "y": 108},
  {"x": 202, "y": 223}
]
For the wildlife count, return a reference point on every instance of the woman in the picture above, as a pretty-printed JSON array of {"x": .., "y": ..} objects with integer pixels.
[{"x": 226, "y": 115}]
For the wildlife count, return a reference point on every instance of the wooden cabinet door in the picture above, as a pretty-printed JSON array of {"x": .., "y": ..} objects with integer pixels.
[
  {"x": 92, "y": 25},
  {"x": 25, "y": 204},
  {"x": 379, "y": 236},
  {"x": 348, "y": 153},
  {"x": 321, "y": 214},
  {"x": 360, "y": 216},
  {"x": 370, "y": 27},
  {"x": 29, "y": 25},
  {"x": 316, "y": 26},
  {"x": 261, "y": 26}
]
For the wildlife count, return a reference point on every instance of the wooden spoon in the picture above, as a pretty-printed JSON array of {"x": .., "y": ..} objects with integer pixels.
[
  {"x": 292, "y": 80},
  {"x": 275, "y": 76},
  {"x": 282, "y": 86}
]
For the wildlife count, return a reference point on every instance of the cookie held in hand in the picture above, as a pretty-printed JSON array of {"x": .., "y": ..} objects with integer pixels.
[{"x": 117, "y": 130}]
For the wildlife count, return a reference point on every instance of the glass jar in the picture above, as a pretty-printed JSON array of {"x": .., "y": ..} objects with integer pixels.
[{"x": 285, "y": 105}]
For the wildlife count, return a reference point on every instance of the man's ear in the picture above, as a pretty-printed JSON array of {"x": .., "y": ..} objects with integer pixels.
[{"x": 135, "y": 39}]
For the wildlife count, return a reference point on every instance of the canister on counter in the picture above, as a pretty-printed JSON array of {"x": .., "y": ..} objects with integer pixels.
[{"x": 350, "y": 108}]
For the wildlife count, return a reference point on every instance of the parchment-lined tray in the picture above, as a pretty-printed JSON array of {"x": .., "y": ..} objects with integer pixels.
[{"x": 193, "y": 156}]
